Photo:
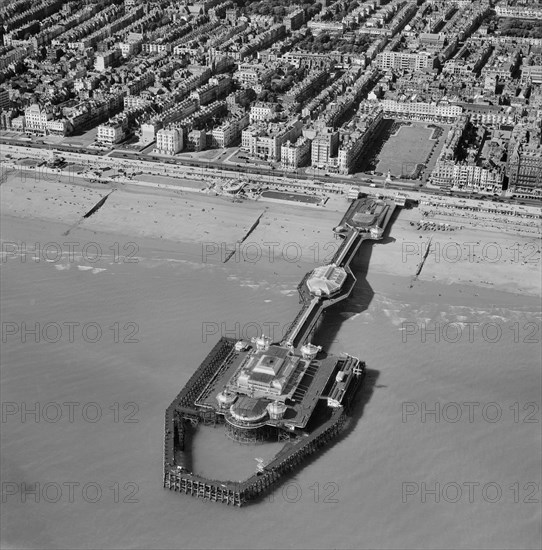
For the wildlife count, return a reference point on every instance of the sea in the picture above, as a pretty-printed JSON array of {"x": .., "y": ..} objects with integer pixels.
[{"x": 443, "y": 449}]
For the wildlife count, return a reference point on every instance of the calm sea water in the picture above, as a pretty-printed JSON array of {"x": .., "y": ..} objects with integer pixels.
[{"x": 350, "y": 496}]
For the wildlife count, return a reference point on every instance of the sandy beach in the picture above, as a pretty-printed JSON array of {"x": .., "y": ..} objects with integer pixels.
[
  {"x": 284, "y": 235},
  {"x": 470, "y": 256}
]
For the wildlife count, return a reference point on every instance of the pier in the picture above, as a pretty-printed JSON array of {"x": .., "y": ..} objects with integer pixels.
[
  {"x": 365, "y": 219},
  {"x": 262, "y": 391}
]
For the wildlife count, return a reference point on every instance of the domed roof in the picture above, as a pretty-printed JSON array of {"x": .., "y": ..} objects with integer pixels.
[
  {"x": 276, "y": 406},
  {"x": 276, "y": 409},
  {"x": 247, "y": 409},
  {"x": 262, "y": 342},
  {"x": 241, "y": 345},
  {"x": 377, "y": 231},
  {"x": 279, "y": 383},
  {"x": 326, "y": 280},
  {"x": 226, "y": 398},
  {"x": 310, "y": 351}
]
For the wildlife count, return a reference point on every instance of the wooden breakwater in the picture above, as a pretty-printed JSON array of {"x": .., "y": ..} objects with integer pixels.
[
  {"x": 422, "y": 262},
  {"x": 241, "y": 241}
]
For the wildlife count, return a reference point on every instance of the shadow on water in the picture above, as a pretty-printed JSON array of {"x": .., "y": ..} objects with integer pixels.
[
  {"x": 358, "y": 302},
  {"x": 361, "y": 399},
  {"x": 362, "y": 293}
]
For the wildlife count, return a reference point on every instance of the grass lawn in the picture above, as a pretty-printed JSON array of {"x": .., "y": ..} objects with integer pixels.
[{"x": 403, "y": 151}]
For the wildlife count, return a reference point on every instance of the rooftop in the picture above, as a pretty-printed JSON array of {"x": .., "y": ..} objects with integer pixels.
[
  {"x": 326, "y": 280},
  {"x": 299, "y": 385}
]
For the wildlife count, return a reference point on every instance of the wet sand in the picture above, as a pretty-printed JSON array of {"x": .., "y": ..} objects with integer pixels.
[{"x": 285, "y": 235}]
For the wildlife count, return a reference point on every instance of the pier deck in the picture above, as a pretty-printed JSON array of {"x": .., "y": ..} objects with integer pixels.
[{"x": 314, "y": 380}]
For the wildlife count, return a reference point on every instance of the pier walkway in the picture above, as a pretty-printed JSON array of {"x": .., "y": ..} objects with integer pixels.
[{"x": 365, "y": 219}]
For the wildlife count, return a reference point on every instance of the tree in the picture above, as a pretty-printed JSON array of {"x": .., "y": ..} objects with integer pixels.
[{"x": 324, "y": 38}]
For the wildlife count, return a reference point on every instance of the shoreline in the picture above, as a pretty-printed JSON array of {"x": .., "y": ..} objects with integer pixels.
[
  {"x": 287, "y": 239},
  {"x": 395, "y": 284}
]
